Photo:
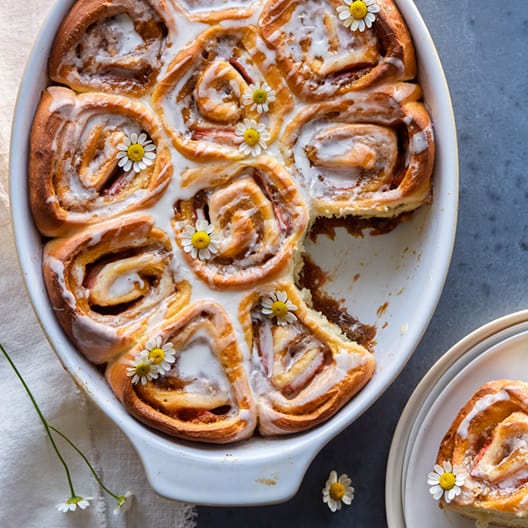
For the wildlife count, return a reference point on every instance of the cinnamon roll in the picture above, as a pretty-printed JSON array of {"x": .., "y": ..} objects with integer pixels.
[
  {"x": 217, "y": 84},
  {"x": 487, "y": 445},
  {"x": 204, "y": 395},
  {"x": 111, "y": 45},
  {"x": 255, "y": 214},
  {"x": 106, "y": 282},
  {"x": 367, "y": 154},
  {"x": 325, "y": 58},
  {"x": 76, "y": 171},
  {"x": 303, "y": 369}
]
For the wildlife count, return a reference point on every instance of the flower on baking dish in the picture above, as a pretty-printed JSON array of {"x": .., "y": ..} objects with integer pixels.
[
  {"x": 162, "y": 356},
  {"x": 358, "y": 14},
  {"x": 252, "y": 137},
  {"x": 200, "y": 241},
  {"x": 278, "y": 305},
  {"x": 142, "y": 368},
  {"x": 136, "y": 152},
  {"x": 258, "y": 96},
  {"x": 444, "y": 481},
  {"x": 338, "y": 491}
]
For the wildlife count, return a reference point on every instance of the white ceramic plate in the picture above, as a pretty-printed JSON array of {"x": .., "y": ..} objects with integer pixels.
[
  {"x": 494, "y": 351},
  {"x": 403, "y": 272}
]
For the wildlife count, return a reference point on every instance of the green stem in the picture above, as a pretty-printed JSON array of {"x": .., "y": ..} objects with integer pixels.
[
  {"x": 83, "y": 456},
  {"x": 42, "y": 419}
]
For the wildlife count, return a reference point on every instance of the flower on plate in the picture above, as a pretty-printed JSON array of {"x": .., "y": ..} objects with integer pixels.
[
  {"x": 162, "y": 356},
  {"x": 445, "y": 481},
  {"x": 73, "y": 503},
  {"x": 338, "y": 491},
  {"x": 136, "y": 152},
  {"x": 252, "y": 137},
  {"x": 123, "y": 502},
  {"x": 142, "y": 368},
  {"x": 200, "y": 241},
  {"x": 278, "y": 305},
  {"x": 258, "y": 96},
  {"x": 358, "y": 14}
]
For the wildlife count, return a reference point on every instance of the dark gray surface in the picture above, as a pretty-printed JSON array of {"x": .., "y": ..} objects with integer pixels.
[{"x": 484, "y": 50}]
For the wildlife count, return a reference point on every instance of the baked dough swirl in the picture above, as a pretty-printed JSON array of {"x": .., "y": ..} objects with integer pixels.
[
  {"x": 74, "y": 175},
  {"x": 257, "y": 214},
  {"x": 200, "y": 100},
  {"x": 111, "y": 45},
  {"x": 368, "y": 154},
  {"x": 107, "y": 281},
  {"x": 487, "y": 444},
  {"x": 205, "y": 396},
  {"x": 302, "y": 372},
  {"x": 212, "y": 12},
  {"x": 321, "y": 58}
]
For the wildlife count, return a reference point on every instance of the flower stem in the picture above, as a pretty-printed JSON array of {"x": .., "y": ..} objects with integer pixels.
[
  {"x": 42, "y": 419},
  {"x": 83, "y": 456}
]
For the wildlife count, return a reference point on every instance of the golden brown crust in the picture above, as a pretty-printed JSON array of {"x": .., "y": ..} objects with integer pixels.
[
  {"x": 303, "y": 372},
  {"x": 92, "y": 49},
  {"x": 487, "y": 443},
  {"x": 327, "y": 59},
  {"x": 367, "y": 154},
  {"x": 213, "y": 406},
  {"x": 209, "y": 12},
  {"x": 74, "y": 178},
  {"x": 106, "y": 281}
]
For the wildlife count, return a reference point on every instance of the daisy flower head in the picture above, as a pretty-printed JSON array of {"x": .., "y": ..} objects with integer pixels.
[
  {"x": 252, "y": 137},
  {"x": 73, "y": 503},
  {"x": 142, "y": 368},
  {"x": 200, "y": 241},
  {"x": 136, "y": 152},
  {"x": 358, "y": 14},
  {"x": 258, "y": 96},
  {"x": 446, "y": 481},
  {"x": 123, "y": 502},
  {"x": 162, "y": 356},
  {"x": 338, "y": 491},
  {"x": 278, "y": 305}
]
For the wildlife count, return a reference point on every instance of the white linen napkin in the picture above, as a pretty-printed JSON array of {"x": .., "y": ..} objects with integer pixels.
[{"x": 32, "y": 480}]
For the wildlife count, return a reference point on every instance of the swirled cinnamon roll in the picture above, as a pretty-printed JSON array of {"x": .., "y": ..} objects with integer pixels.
[
  {"x": 204, "y": 394},
  {"x": 106, "y": 282},
  {"x": 368, "y": 154},
  {"x": 303, "y": 368},
  {"x": 216, "y": 88},
  {"x": 487, "y": 445},
  {"x": 322, "y": 58},
  {"x": 83, "y": 167},
  {"x": 252, "y": 214},
  {"x": 111, "y": 45}
]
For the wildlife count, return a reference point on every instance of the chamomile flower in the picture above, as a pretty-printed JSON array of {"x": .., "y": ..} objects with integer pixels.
[
  {"x": 252, "y": 137},
  {"x": 136, "y": 152},
  {"x": 445, "y": 481},
  {"x": 142, "y": 368},
  {"x": 73, "y": 503},
  {"x": 358, "y": 14},
  {"x": 278, "y": 305},
  {"x": 338, "y": 491},
  {"x": 258, "y": 96},
  {"x": 162, "y": 356},
  {"x": 200, "y": 241},
  {"x": 123, "y": 502}
]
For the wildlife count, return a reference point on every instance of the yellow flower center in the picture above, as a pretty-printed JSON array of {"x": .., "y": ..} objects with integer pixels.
[
  {"x": 279, "y": 309},
  {"x": 157, "y": 355},
  {"x": 260, "y": 96},
  {"x": 200, "y": 240},
  {"x": 337, "y": 491},
  {"x": 358, "y": 9},
  {"x": 447, "y": 481},
  {"x": 251, "y": 136},
  {"x": 143, "y": 369},
  {"x": 135, "y": 152}
]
